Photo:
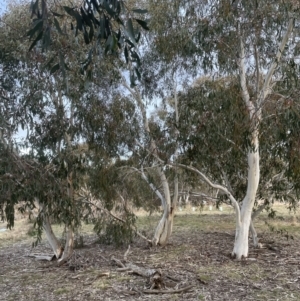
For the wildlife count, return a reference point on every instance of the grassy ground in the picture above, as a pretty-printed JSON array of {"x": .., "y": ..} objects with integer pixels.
[{"x": 198, "y": 254}]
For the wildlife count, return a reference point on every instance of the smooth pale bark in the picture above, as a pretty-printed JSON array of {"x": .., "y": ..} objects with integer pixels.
[
  {"x": 242, "y": 228},
  {"x": 241, "y": 246},
  {"x": 254, "y": 108},
  {"x": 52, "y": 239},
  {"x": 69, "y": 245},
  {"x": 62, "y": 254},
  {"x": 165, "y": 226}
]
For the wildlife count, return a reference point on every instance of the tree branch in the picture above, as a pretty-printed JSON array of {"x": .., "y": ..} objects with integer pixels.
[
  {"x": 234, "y": 202},
  {"x": 151, "y": 185},
  {"x": 242, "y": 71},
  {"x": 119, "y": 219},
  {"x": 266, "y": 87}
]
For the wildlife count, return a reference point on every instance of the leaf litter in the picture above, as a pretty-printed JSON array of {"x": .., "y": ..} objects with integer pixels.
[{"x": 195, "y": 265}]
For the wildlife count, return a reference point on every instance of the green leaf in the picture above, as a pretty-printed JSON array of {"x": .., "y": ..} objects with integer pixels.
[
  {"x": 86, "y": 18},
  {"x": 91, "y": 33},
  {"x": 140, "y": 11},
  {"x": 136, "y": 57},
  {"x": 57, "y": 26},
  {"x": 114, "y": 43},
  {"x": 130, "y": 43},
  {"x": 95, "y": 3},
  {"x": 108, "y": 9},
  {"x": 138, "y": 73},
  {"x": 69, "y": 10},
  {"x": 86, "y": 36},
  {"x": 143, "y": 24},
  {"x": 138, "y": 37},
  {"x": 108, "y": 44},
  {"x": 130, "y": 31},
  {"x": 119, "y": 8},
  {"x": 38, "y": 25},
  {"x": 74, "y": 14},
  {"x": 40, "y": 35},
  {"x": 89, "y": 74},
  {"x": 46, "y": 39},
  {"x": 126, "y": 54},
  {"x": 34, "y": 6},
  {"x": 62, "y": 64},
  {"x": 57, "y": 15},
  {"x": 132, "y": 80},
  {"x": 54, "y": 68},
  {"x": 102, "y": 28}
]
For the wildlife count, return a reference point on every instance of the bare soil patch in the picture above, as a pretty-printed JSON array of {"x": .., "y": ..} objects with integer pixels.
[{"x": 198, "y": 257}]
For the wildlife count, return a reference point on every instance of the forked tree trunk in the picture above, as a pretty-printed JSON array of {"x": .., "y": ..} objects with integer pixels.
[
  {"x": 62, "y": 254},
  {"x": 165, "y": 226}
]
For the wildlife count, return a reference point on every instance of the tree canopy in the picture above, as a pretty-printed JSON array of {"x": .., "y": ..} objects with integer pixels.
[{"x": 80, "y": 80}]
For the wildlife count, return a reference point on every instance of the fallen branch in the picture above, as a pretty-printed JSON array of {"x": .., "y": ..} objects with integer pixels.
[
  {"x": 155, "y": 276},
  {"x": 134, "y": 268},
  {"x": 43, "y": 257},
  {"x": 91, "y": 281},
  {"x": 187, "y": 288}
]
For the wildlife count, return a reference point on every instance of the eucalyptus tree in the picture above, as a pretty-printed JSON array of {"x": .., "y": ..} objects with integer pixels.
[
  {"x": 214, "y": 119},
  {"x": 108, "y": 27},
  {"x": 61, "y": 110},
  {"x": 235, "y": 40},
  {"x": 38, "y": 94}
]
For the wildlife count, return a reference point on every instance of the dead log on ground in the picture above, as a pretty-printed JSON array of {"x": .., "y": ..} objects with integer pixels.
[{"x": 154, "y": 276}]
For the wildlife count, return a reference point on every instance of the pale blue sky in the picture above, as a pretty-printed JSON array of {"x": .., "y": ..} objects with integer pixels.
[{"x": 3, "y": 4}]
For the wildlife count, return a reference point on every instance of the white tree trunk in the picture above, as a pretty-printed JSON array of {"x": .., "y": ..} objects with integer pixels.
[
  {"x": 53, "y": 241},
  {"x": 69, "y": 245},
  {"x": 165, "y": 226},
  {"x": 242, "y": 228},
  {"x": 254, "y": 108}
]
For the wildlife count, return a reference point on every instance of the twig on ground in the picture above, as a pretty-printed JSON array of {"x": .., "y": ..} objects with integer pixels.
[{"x": 187, "y": 288}]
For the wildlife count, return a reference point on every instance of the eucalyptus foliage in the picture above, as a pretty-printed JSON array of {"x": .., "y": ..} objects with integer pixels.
[{"x": 108, "y": 27}]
